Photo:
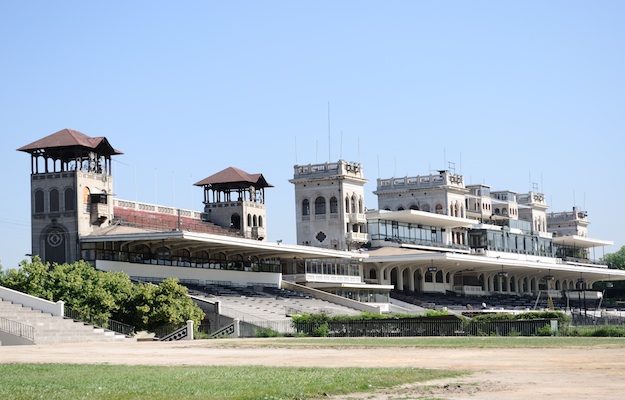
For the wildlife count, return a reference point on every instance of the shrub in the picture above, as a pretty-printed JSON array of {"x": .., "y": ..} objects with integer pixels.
[
  {"x": 266, "y": 332},
  {"x": 598, "y": 331},
  {"x": 545, "y": 331}
]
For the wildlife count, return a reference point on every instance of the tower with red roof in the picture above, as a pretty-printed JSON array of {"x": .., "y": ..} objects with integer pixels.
[
  {"x": 235, "y": 199},
  {"x": 71, "y": 181}
]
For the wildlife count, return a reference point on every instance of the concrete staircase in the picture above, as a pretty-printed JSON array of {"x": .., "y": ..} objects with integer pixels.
[{"x": 50, "y": 329}]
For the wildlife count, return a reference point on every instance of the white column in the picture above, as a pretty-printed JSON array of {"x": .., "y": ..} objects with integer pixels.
[{"x": 400, "y": 279}]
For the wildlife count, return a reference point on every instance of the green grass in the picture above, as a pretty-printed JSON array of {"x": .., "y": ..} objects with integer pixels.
[
  {"x": 472, "y": 342},
  {"x": 54, "y": 381}
]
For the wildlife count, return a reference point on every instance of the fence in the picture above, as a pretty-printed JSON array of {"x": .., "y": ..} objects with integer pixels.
[
  {"x": 406, "y": 327},
  {"x": 105, "y": 323},
  {"x": 17, "y": 328}
]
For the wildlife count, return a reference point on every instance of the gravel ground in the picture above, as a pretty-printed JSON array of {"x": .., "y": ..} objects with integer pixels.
[{"x": 569, "y": 373}]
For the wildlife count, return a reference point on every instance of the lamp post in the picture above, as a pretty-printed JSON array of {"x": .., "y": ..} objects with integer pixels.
[
  {"x": 432, "y": 270},
  {"x": 581, "y": 287},
  {"x": 502, "y": 274}
]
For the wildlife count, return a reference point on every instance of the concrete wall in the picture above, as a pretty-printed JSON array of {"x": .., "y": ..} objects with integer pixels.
[
  {"x": 320, "y": 294},
  {"x": 6, "y": 339},
  {"x": 241, "y": 278},
  {"x": 33, "y": 302}
]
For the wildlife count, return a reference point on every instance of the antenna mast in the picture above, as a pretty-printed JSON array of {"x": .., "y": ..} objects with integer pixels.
[{"x": 329, "y": 141}]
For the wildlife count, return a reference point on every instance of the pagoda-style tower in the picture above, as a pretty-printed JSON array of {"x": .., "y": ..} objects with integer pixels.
[
  {"x": 70, "y": 187},
  {"x": 235, "y": 199}
]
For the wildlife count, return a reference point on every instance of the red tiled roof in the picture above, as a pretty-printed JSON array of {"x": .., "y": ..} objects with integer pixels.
[
  {"x": 68, "y": 138},
  {"x": 234, "y": 177},
  {"x": 166, "y": 222}
]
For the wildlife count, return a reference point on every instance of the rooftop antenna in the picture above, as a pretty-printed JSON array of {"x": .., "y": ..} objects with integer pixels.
[
  {"x": 534, "y": 187},
  {"x": 316, "y": 151},
  {"x": 329, "y": 141},
  {"x": 341, "y": 147},
  {"x": 452, "y": 167}
]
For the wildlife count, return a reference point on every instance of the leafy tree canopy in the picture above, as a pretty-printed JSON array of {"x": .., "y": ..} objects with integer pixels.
[
  {"x": 98, "y": 294},
  {"x": 615, "y": 260}
]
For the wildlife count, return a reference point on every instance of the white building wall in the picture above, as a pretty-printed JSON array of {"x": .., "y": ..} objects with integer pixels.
[{"x": 240, "y": 278}]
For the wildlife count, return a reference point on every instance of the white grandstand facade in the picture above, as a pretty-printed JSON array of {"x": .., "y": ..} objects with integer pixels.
[{"x": 429, "y": 233}]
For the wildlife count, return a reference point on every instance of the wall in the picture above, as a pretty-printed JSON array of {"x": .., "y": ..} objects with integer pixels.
[
  {"x": 241, "y": 278},
  {"x": 33, "y": 302}
]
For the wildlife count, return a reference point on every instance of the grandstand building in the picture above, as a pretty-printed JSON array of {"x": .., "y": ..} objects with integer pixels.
[{"x": 429, "y": 234}]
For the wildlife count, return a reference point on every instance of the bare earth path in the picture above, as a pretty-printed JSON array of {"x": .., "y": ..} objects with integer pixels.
[{"x": 570, "y": 373}]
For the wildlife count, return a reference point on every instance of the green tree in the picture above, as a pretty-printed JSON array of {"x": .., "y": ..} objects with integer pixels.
[
  {"x": 615, "y": 260},
  {"x": 103, "y": 295},
  {"x": 92, "y": 293},
  {"x": 167, "y": 303},
  {"x": 31, "y": 278}
]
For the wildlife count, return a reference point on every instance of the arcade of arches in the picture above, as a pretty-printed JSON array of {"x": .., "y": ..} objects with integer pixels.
[{"x": 433, "y": 279}]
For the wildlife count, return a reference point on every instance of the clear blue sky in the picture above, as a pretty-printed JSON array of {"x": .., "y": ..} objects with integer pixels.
[{"x": 513, "y": 93}]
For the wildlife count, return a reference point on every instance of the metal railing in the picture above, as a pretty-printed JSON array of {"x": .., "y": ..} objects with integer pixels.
[
  {"x": 105, "y": 323},
  {"x": 420, "y": 327},
  {"x": 17, "y": 328}
]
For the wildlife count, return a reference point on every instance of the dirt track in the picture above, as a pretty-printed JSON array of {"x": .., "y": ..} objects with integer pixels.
[{"x": 574, "y": 373}]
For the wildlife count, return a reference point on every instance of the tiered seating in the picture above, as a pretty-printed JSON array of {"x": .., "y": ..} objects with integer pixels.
[
  {"x": 166, "y": 222},
  {"x": 496, "y": 301},
  {"x": 50, "y": 329},
  {"x": 269, "y": 304}
]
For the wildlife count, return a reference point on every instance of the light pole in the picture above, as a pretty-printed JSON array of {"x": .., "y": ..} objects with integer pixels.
[{"x": 432, "y": 270}]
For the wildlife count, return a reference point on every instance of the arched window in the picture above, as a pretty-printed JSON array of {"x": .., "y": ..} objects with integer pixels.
[
  {"x": 305, "y": 207},
  {"x": 347, "y": 204},
  {"x": 39, "y": 201},
  {"x": 360, "y": 208},
  {"x": 182, "y": 258},
  {"x": 163, "y": 255},
  {"x": 334, "y": 205},
  {"x": 439, "y": 208},
  {"x": 70, "y": 200},
  {"x": 141, "y": 254},
  {"x": 54, "y": 200},
  {"x": 320, "y": 205},
  {"x": 249, "y": 219},
  {"x": 414, "y": 207},
  {"x": 353, "y": 203},
  {"x": 254, "y": 221},
  {"x": 400, "y": 208},
  {"x": 201, "y": 258},
  {"x": 235, "y": 221},
  {"x": 260, "y": 221}
]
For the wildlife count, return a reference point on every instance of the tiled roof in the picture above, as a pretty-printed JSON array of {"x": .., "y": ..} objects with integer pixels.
[
  {"x": 68, "y": 138},
  {"x": 232, "y": 176}
]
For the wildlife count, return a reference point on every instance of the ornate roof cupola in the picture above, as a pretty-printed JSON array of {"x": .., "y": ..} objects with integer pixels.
[
  {"x": 235, "y": 199},
  {"x": 70, "y": 184}
]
